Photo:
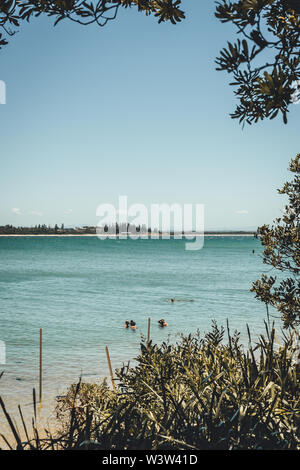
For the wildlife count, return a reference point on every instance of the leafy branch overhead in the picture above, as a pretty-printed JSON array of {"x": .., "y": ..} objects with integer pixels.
[
  {"x": 13, "y": 12},
  {"x": 265, "y": 60}
]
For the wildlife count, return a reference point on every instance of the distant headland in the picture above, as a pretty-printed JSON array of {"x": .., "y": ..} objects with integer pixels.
[{"x": 117, "y": 230}]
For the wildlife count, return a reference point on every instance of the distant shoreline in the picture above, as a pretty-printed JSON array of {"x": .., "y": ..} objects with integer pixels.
[{"x": 143, "y": 236}]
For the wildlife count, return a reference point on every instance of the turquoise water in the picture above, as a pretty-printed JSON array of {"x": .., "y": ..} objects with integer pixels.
[{"x": 80, "y": 290}]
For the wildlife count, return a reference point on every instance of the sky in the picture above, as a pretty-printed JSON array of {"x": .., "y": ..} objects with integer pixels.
[{"x": 135, "y": 108}]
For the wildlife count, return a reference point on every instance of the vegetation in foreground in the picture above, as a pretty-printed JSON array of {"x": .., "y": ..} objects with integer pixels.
[{"x": 199, "y": 393}]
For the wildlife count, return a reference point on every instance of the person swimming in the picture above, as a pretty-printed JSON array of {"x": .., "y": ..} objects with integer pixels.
[
  {"x": 126, "y": 325},
  {"x": 172, "y": 300},
  {"x": 162, "y": 323},
  {"x": 133, "y": 325}
]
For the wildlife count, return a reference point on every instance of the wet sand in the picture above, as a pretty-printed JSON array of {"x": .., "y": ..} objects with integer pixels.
[{"x": 45, "y": 418}]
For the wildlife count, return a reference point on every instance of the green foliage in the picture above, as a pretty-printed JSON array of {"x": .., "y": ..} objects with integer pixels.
[
  {"x": 196, "y": 394},
  {"x": 270, "y": 31},
  {"x": 282, "y": 251},
  {"x": 13, "y": 12}
]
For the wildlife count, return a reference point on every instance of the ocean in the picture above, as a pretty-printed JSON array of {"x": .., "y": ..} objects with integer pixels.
[{"x": 80, "y": 291}]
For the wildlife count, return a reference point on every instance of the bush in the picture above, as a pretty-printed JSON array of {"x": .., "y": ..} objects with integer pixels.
[{"x": 196, "y": 394}]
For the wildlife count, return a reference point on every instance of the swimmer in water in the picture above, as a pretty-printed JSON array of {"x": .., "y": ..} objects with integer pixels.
[
  {"x": 133, "y": 325},
  {"x": 126, "y": 325},
  {"x": 162, "y": 323},
  {"x": 172, "y": 300}
]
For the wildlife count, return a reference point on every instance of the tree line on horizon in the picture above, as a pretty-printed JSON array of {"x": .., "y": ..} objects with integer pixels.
[
  {"x": 48, "y": 229},
  {"x": 40, "y": 229},
  {"x": 124, "y": 227}
]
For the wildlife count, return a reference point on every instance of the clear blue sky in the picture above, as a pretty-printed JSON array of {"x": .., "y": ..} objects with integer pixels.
[{"x": 134, "y": 109}]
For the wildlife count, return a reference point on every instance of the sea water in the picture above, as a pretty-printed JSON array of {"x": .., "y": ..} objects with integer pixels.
[{"x": 80, "y": 291}]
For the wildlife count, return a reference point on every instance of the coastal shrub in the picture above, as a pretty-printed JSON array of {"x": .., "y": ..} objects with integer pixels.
[
  {"x": 199, "y": 393},
  {"x": 281, "y": 242}
]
